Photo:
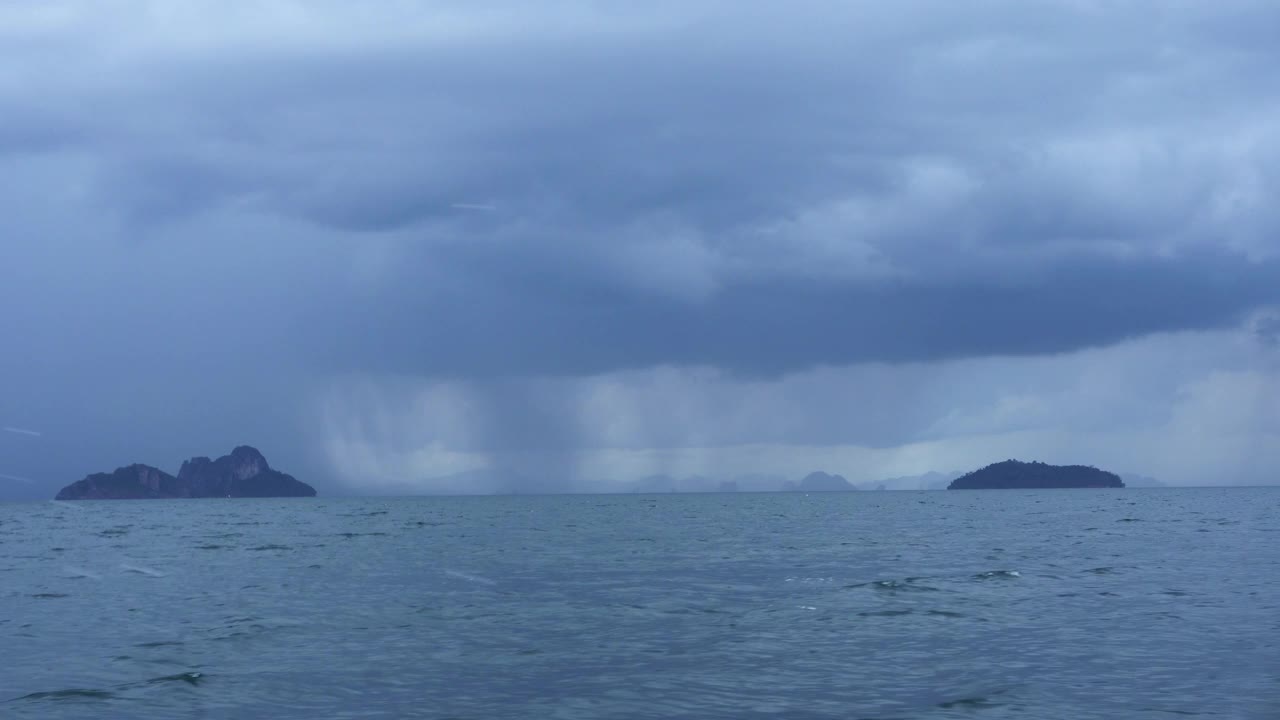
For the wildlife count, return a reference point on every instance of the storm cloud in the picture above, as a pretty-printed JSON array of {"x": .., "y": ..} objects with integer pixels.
[{"x": 218, "y": 220}]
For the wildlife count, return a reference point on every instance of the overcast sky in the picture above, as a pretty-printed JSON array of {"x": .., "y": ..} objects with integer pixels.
[{"x": 590, "y": 241}]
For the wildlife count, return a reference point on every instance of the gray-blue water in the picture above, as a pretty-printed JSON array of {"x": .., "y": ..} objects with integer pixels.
[{"x": 1045, "y": 604}]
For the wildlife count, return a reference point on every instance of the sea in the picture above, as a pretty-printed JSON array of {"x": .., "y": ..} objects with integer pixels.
[{"x": 1072, "y": 604}]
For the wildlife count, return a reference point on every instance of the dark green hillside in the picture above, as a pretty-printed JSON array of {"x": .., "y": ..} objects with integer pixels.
[{"x": 1015, "y": 475}]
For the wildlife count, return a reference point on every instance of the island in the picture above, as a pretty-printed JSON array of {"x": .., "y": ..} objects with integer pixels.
[
  {"x": 242, "y": 474},
  {"x": 819, "y": 481},
  {"x": 1015, "y": 475}
]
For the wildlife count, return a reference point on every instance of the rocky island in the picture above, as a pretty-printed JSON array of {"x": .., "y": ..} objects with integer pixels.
[
  {"x": 242, "y": 474},
  {"x": 823, "y": 482},
  {"x": 1014, "y": 475}
]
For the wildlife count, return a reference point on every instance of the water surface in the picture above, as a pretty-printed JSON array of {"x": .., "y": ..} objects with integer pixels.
[{"x": 999, "y": 604}]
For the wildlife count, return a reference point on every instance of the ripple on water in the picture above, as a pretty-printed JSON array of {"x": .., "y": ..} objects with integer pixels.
[
  {"x": 975, "y": 702},
  {"x": 997, "y": 575},
  {"x": 68, "y": 695},
  {"x": 138, "y": 569},
  {"x": 905, "y": 585},
  {"x": 190, "y": 678},
  {"x": 97, "y": 694},
  {"x": 886, "y": 613}
]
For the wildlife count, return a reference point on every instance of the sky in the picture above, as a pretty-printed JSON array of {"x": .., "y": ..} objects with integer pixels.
[{"x": 417, "y": 247}]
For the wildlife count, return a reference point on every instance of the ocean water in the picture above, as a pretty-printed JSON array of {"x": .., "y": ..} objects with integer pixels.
[{"x": 1077, "y": 604}]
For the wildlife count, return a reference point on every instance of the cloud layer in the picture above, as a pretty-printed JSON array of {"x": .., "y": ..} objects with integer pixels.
[{"x": 215, "y": 216}]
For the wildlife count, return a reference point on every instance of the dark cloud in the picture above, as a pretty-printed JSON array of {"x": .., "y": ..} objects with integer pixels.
[
  {"x": 532, "y": 318},
  {"x": 1267, "y": 329}
]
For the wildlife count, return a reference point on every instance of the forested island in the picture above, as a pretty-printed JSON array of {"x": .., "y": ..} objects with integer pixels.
[
  {"x": 242, "y": 474},
  {"x": 1015, "y": 475}
]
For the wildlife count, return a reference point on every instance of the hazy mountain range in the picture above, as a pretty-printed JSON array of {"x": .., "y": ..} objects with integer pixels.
[{"x": 485, "y": 482}]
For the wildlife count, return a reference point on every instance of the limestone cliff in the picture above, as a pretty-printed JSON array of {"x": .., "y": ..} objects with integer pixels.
[{"x": 243, "y": 473}]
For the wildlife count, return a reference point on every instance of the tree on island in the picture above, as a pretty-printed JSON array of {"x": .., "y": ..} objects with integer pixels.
[{"x": 1015, "y": 475}]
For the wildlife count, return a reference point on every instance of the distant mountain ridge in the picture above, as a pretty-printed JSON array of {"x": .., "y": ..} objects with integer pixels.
[
  {"x": 241, "y": 474},
  {"x": 489, "y": 481},
  {"x": 931, "y": 480},
  {"x": 1133, "y": 480}
]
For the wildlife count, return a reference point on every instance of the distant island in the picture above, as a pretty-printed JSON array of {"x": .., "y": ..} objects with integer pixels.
[
  {"x": 242, "y": 474},
  {"x": 1014, "y": 475},
  {"x": 819, "y": 481}
]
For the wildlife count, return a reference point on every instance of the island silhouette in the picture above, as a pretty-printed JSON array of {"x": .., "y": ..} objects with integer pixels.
[
  {"x": 1015, "y": 475},
  {"x": 242, "y": 474}
]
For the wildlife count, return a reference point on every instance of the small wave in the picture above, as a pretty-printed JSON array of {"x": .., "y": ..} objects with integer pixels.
[
  {"x": 272, "y": 547},
  {"x": 885, "y": 613},
  {"x": 468, "y": 576},
  {"x": 976, "y": 701},
  {"x": 78, "y": 574},
  {"x": 242, "y": 620},
  {"x": 71, "y": 694},
  {"x": 141, "y": 570},
  {"x": 50, "y": 595},
  {"x": 82, "y": 694},
  {"x": 191, "y": 678},
  {"x": 686, "y": 610},
  {"x": 997, "y": 574},
  {"x": 905, "y": 585}
]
